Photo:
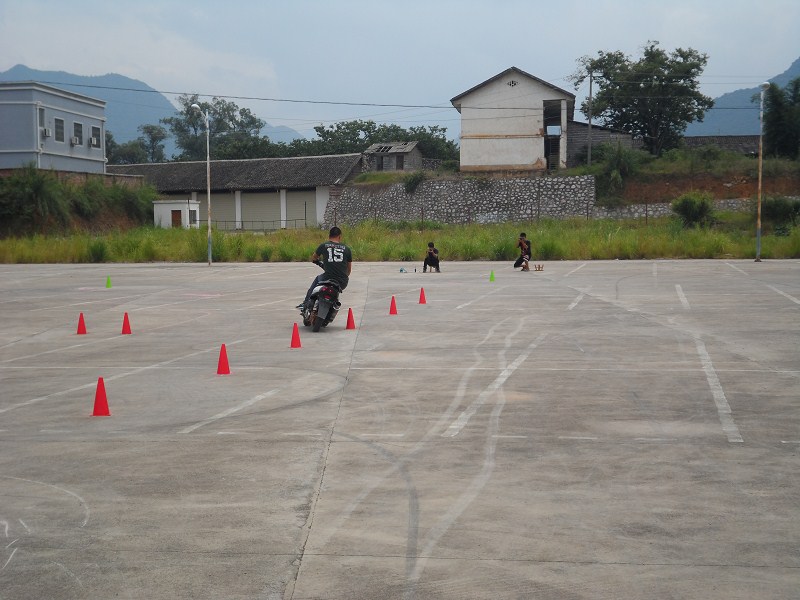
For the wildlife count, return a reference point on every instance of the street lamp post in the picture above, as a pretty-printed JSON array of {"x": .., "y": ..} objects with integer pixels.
[
  {"x": 208, "y": 175},
  {"x": 764, "y": 88}
]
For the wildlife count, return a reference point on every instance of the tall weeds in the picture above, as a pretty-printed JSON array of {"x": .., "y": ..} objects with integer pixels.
[{"x": 732, "y": 237}]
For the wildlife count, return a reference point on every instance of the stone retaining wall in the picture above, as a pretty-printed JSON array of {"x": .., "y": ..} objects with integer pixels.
[
  {"x": 663, "y": 209},
  {"x": 468, "y": 200},
  {"x": 476, "y": 200}
]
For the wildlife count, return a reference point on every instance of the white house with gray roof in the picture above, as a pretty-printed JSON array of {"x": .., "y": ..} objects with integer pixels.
[
  {"x": 51, "y": 128},
  {"x": 252, "y": 194},
  {"x": 514, "y": 122}
]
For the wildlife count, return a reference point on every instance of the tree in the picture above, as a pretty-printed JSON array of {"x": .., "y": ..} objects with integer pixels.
[
  {"x": 129, "y": 153},
  {"x": 782, "y": 120},
  {"x": 232, "y": 130},
  {"x": 152, "y": 138},
  {"x": 653, "y": 98},
  {"x": 356, "y": 136},
  {"x": 111, "y": 147}
]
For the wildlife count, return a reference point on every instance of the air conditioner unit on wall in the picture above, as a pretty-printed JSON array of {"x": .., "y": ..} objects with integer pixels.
[
  {"x": 94, "y": 142},
  {"x": 75, "y": 141},
  {"x": 47, "y": 132}
]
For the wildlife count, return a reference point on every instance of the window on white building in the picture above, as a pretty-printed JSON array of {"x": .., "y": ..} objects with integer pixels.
[
  {"x": 95, "y": 141},
  {"x": 59, "y": 123}
]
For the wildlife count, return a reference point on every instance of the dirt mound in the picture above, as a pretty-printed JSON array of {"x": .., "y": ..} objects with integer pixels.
[{"x": 667, "y": 188}]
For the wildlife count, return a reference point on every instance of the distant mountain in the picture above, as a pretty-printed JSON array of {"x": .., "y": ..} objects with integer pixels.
[
  {"x": 129, "y": 102},
  {"x": 735, "y": 113}
]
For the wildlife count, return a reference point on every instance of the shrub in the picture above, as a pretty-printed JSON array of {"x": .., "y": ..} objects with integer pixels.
[
  {"x": 451, "y": 166},
  {"x": 412, "y": 181},
  {"x": 780, "y": 211},
  {"x": 32, "y": 199},
  {"x": 98, "y": 251},
  {"x": 694, "y": 209}
]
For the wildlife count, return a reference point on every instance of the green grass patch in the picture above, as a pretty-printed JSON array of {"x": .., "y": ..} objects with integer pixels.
[{"x": 732, "y": 235}]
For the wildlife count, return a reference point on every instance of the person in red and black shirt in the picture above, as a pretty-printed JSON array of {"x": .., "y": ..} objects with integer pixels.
[{"x": 524, "y": 246}]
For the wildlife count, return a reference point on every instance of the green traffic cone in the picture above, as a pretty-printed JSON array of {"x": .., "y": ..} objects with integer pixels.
[
  {"x": 108, "y": 282},
  {"x": 491, "y": 276}
]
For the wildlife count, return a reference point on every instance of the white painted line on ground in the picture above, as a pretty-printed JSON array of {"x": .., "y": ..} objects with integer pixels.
[
  {"x": 511, "y": 437},
  {"x": 682, "y": 297},
  {"x": 723, "y": 408},
  {"x": 479, "y": 298},
  {"x": 576, "y": 301},
  {"x": 735, "y": 268},
  {"x": 790, "y": 441},
  {"x": 314, "y": 433},
  {"x": 457, "y": 425},
  {"x": 655, "y": 270},
  {"x": 792, "y": 298},
  {"x": 229, "y": 412},
  {"x": 391, "y": 435},
  {"x": 576, "y": 437},
  {"x": 575, "y": 269},
  {"x": 644, "y": 439}
]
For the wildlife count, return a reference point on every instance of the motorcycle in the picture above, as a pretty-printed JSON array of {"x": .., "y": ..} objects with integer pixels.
[{"x": 323, "y": 305}]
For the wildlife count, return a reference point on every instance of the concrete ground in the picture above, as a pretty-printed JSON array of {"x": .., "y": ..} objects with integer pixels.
[{"x": 595, "y": 430}]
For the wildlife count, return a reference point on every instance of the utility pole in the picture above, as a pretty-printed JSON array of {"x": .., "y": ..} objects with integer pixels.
[{"x": 589, "y": 115}]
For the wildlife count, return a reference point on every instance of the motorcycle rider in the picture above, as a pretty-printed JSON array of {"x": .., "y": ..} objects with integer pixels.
[{"x": 335, "y": 258}]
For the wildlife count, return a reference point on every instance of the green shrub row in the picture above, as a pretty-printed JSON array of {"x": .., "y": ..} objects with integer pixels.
[{"x": 35, "y": 201}]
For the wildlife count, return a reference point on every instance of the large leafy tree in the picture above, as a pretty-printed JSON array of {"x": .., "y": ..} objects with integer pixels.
[
  {"x": 782, "y": 120},
  {"x": 152, "y": 138},
  {"x": 234, "y": 132},
  {"x": 356, "y": 136},
  {"x": 653, "y": 98},
  {"x": 128, "y": 153}
]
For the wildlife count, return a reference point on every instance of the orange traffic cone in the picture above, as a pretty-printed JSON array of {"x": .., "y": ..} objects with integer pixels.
[
  {"x": 100, "y": 400},
  {"x": 222, "y": 365},
  {"x": 295, "y": 337},
  {"x": 81, "y": 325},
  {"x": 126, "y": 325},
  {"x": 351, "y": 324},
  {"x": 422, "y": 296},
  {"x": 393, "y": 307}
]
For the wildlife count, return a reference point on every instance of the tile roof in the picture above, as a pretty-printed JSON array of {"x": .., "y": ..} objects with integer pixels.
[
  {"x": 391, "y": 148},
  {"x": 249, "y": 174}
]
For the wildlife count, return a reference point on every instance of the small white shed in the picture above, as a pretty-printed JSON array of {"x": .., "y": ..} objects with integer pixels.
[{"x": 176, "y": 213}]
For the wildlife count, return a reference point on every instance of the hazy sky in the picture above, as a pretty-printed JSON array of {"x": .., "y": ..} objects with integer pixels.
[{"x": 408, "y": 52}]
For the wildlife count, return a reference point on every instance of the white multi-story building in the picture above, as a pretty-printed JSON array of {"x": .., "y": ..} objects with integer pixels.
[{"x": 51, "y": 128}]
